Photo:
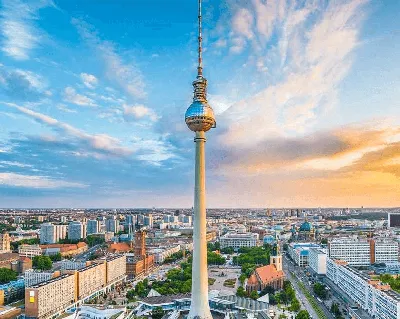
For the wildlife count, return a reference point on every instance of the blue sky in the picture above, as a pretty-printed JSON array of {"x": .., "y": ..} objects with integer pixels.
[{"x": 93, "y": 95}]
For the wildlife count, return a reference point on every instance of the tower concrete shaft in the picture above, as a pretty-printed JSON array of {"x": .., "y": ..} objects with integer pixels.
[{"x": 199, "y": 308}]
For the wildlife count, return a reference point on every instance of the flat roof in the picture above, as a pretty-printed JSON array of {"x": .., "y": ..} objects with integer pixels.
[{"x": 44, "y": 283}]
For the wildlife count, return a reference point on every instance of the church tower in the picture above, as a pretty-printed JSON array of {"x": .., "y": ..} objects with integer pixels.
[{"x": 276, "y": 257}]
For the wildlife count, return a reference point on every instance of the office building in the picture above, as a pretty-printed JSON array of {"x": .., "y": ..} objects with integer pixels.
[
  {"x": 317, "y": 260},
  {"x": 93, "y": 226},
  {"x": 378, "y": 299},
  {"x": 299, "y": 252},
  {"x": 5, "y": 243},
  {"x": 363, "y": 252},
  {"x": 237, "y": 240},
  {"x": 76, "y": 230}
]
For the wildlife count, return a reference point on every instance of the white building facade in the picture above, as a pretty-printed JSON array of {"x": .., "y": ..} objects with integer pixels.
[
  {"x": 317, "y": 260},
  {"x": 238, "y": 240},
  {"x": 371, "y": 295},
  {"x": 29, "y": 250},
  {"x": 363, "y": 252}
]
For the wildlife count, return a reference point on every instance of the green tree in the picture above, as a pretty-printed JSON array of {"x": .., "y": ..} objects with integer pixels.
[
  {"x": 295, "y": 306},
  {"x": 254, "y": 295},
  {"x": 320, "y": 290},
  {"x": 56, "y": 257},
  {"x": 240, "y": 292},
  {"x": 42, "y": 262},
  {"x": 303, "y": 314},
  {"x": 7, "y": 275}
]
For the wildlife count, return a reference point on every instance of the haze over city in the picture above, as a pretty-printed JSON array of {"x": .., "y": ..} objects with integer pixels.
[{"x": 93, "y": 97}]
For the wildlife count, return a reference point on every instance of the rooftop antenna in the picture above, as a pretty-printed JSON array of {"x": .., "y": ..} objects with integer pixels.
[{"x": 200, "y": 39}]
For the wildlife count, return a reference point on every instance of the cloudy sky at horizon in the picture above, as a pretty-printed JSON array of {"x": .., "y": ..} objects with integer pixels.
[{"x": 93, "y": 96}]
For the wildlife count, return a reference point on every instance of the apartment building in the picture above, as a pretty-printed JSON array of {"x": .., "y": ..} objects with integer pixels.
[
  {"x": 363, "y": 252},
  {"x": 46, "y": 299},
  {"x": 33, "y": 277},
  {"x": 30, "y": 251},
  {"x": 91, "y": 279},
  {"x": 76, "y": 230},
  {"x": 116, "y": 268},
  {"x": 317, "y": 260},
  {"x": 371, "y": 295},
  {"x": 50, "y": 233},
  {"x": 93, "y": 226},
  {"x": 49, "y": 297},
  {"x": 238, "y": 240}
]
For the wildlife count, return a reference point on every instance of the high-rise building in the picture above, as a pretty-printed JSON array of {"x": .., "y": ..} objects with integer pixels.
[
  {"x": 50, "y": 234},
  {"x": 4, "y": 243},
  {"x": 47, "y": 234},
  {"x": 112, "y": 224},
  {"x": 93, "y": 226},
  {"x": 148, "y": 221},
  {"x": 76, "y": 230},
  {"x": 199, "y": 118}
]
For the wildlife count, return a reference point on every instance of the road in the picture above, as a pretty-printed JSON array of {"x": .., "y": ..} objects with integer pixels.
[
  {"x": 302, "y": 298},
  {"x": 292, "y": 272}
]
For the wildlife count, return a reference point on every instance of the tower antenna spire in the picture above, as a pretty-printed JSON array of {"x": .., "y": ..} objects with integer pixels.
[{"x": 200, "y": 40}]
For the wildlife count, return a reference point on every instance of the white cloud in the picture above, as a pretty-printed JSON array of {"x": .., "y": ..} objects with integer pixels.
[
  {"x": 35, "y": 181},
  {"x": 139, "y": 112},
  {"x": 16, "y": 164},
  {"x": 307, "y": 51},
  {"x": 64, "y": 108},
  {"x": 20, "y": 35},
  {"x": 242, "y": 23},
  {"x": 71, "y": 96},
  {"x": 89, "y": 80},
  {"x": 94, "y": 142},
  {"x": 127, "y": 75}
]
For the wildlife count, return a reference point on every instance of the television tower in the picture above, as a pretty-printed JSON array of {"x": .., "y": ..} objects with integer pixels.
[{"x": 199, "y": 118}]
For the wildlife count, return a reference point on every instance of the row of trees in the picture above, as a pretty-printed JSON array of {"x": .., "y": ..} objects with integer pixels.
[{"x": 216, "y": 246}]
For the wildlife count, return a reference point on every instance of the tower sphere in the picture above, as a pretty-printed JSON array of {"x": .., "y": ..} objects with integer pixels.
[{"x": 200, "y": 116}]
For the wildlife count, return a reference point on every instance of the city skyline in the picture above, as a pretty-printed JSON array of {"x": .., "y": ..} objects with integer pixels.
[{"x": 93, "y": 98}]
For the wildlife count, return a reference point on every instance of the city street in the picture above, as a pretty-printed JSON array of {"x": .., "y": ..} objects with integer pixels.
[{"x": 291, "y": 274}]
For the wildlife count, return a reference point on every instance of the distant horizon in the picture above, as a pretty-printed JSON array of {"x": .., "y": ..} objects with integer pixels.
[{"x": 208, "y": 208}]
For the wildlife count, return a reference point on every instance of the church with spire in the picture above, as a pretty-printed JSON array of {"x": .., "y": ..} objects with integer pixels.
[{"x": 269, "y": 275}]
